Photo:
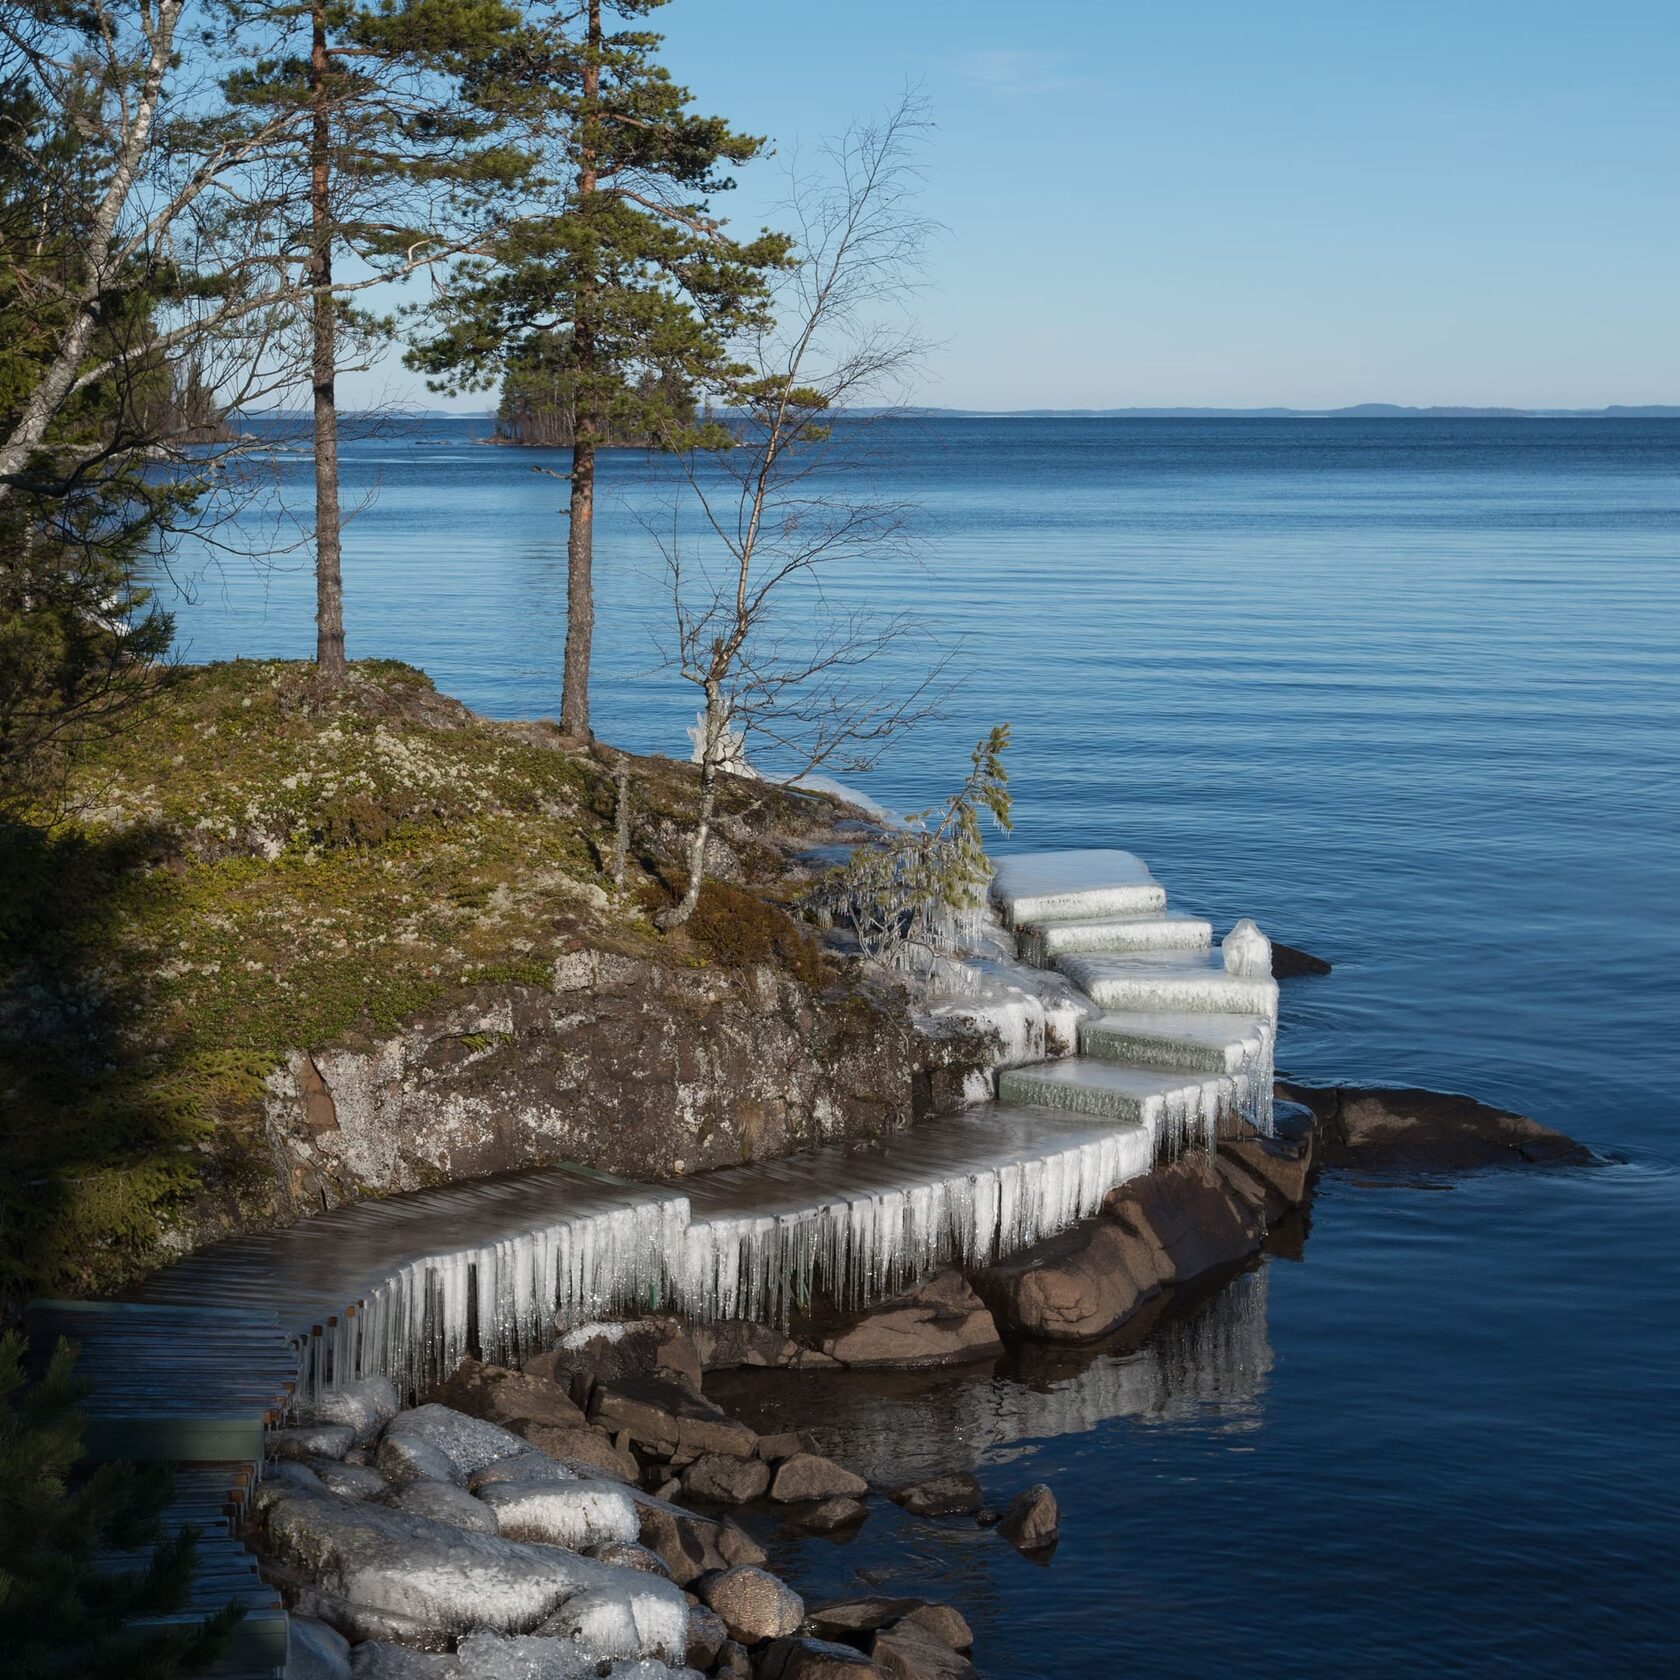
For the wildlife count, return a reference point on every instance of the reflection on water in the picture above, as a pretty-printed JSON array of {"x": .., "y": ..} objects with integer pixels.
[{"x": 1205, "y": 1359}]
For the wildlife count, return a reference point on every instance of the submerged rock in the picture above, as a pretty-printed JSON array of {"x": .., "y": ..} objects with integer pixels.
[
  {"x": 957, "y": 1494},
  {"x": 1289, "y": 963},
  {"x": 1404, "y": 1129},
  {"x": 1032, "y": 1522},
  {"x": 827, "y": 1516}
]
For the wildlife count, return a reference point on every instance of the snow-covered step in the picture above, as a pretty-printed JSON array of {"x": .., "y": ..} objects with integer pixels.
[
  {"x": 1177, "y": 1107},
  {"x": 1176, "y": 982},
  {"x": 1074, "y": 886},
  {"x": 1203, "y": 1043},
  {"x": 1166, "y": 930}
]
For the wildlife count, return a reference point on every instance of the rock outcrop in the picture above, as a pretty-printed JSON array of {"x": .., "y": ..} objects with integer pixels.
[{"x": 941, "y": 1322}]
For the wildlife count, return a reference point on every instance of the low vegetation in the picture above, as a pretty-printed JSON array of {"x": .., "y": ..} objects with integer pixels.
[{"x": 263, "y": 862}]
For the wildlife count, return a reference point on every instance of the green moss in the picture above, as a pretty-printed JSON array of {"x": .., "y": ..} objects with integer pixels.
[{"x": 260, "y": 864}]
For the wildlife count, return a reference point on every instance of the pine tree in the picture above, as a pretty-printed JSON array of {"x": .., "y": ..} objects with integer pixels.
[
  {"x": 389, "y": 168},
  {"x": 59, "y": 1613},
  {"x": 619, "y": 259}
]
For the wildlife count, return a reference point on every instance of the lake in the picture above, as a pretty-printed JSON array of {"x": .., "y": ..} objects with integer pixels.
[{"x": 1407, "y": 692}]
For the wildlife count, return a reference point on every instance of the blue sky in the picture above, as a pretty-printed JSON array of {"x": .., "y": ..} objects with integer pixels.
[{"x": 1272, "y": 201}]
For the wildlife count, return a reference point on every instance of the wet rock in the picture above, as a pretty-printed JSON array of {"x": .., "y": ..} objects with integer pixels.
[
  {"x": 737, "y": 1342},
  {"x": 957, "y": 1494},
  {"x": 574, "y": 1514},
  {"x": 828, "y": 1516},
  {"x": 1402, "y": 1129},
  {"x": 588, "y": 1452},
  {"x": 910, "y": 1652},
  {"x": 1081, "y": 1283},
  {"x": 815, "y": 1659},
  {"x": 444, "y": 1502},
  {"x": 707, "y": 1635},
  {"x": 469, "y": 1443},
  {"x": 774, "y": 1448},
  {"x": 691, "y": 1546},
  {"x": 349, "y": 1481},
  {"x": 367, "y": 1405},
  {"x": 312, "y": 1440},
  {"x": 947, "y": 1625},
  {"x": 668, "y": 1420},
  {"x": 658, "y": 1346},
  {"x": 1290, "y": 963},
  {"x": 315, "y": 1651},
  {"x": 732, "y": 1663},
  {"x": 753, "y": 1603},
  {"x": 1278, "y": 1167},
  {"x": 510, "y": 1398},
  {"x": 942, "y": 1322},
  {"x": 849, "y": 1619},
  {"x": 1187, "y": 1219},
  {"x": 629, "y": 1554},
  {"x": 1031, "y": 1522},
  {"x": 809, "y": 1476},
  {"x": 391, "y": 1573},
  {"x": 726, "y": 1481}
]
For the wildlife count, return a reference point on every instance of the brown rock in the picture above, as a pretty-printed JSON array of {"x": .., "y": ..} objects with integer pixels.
[
  {"x": 583, "y": 1449},
  {"x": 733, "y": 1663},
  {"x": 1401, "y": 1129},
  {"x": 942, "y": 1322},
  {"x": 628, "y": 1555},
  {"x": 774, "y": 1448},
  {"x": 499, "y": 1395},
  {"x": 810, "y": 1476},
  {"x": 707, "y": 1636},
  {"x": 950, "y": 1627},
  {"x": 1079, "y": 1284},
  {"x": 753, "y": 1603},
  {"x": 828, "y": 1516},
  {"x": 941, "y": 1496},
  {"x": 737, "y": 1342},
  {"x": 849, "y": 1618},
  {"x": 668, "y": 1420},
  {"x": 1279, "y": 1166},
  {"x": 1032, "y": 1521},
  {"x": 726, "y": 1481},
  {"x": 815, "y": 1659},
  {"x": 658, "y": 1346},
  {"x": 691, "y": 1546},
  {"x": 1289, "y": 963},
  {"x": 910, "y": 1652},
  {"x": 1188, "y": 1218}
]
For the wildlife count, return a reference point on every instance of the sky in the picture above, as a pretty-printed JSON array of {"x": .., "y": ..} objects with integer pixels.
[{"x": 1230, "y": 203}]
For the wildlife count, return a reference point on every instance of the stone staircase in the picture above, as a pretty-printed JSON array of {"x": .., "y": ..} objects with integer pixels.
[{"x": 1184, "y": 1041}]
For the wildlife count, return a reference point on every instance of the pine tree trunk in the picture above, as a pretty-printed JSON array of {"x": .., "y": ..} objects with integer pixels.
[
  {"x": 329, "y": 586},
  {"x": 580, "y": 532}
]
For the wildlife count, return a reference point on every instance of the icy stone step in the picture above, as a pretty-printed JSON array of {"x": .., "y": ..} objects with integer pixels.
[
  {"x": 1176, "y": 982},
  {"x": 1176, "y": 1107},
  {"x": 1074, "y": 886},
  {"x": 1195, "y": 1043},
  {"x": 1166, "y": 931}
]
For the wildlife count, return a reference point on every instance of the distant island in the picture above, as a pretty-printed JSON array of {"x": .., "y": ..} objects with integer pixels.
[{"x": 1357, "y": 411}]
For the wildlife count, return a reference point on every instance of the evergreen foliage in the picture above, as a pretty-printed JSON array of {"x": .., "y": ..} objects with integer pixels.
[{"x": 63, "y": 1607}]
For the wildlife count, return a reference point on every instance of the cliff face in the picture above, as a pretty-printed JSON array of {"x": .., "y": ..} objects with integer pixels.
[{"x": 625, "y": 1065}]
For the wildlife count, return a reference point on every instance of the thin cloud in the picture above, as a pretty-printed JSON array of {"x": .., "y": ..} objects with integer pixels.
[{"x": 1010, "y": 74}]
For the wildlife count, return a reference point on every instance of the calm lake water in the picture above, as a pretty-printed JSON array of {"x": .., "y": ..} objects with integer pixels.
[{"x": 1408, "y": 693}]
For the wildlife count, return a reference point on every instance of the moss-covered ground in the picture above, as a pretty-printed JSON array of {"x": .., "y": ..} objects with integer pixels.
[{"x": 256, "y": 864}]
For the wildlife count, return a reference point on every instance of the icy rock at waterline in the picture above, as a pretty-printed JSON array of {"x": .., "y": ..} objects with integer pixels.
[
  {"x": 762, "y": 1235},
  {"x": 1247, "y": 951}
]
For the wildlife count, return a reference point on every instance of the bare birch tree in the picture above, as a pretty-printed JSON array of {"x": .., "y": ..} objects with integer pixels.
[{"x": 765, "y": 626}]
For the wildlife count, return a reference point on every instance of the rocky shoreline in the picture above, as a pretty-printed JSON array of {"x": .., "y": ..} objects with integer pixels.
[{"x": 582, "y": 1515}]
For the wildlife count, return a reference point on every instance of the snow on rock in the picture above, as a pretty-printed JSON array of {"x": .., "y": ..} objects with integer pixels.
[
  {"x": 530, "y": 1466},
  {"x": 1247, "y": 951},
  {"x": 366, "y": 1405},
  {"x": 578, "y": 1513},
  {"x": 434, "y": 1580},
  {"x": 470, "y": 1444},
  {"x": 444, "y": 1502}
]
